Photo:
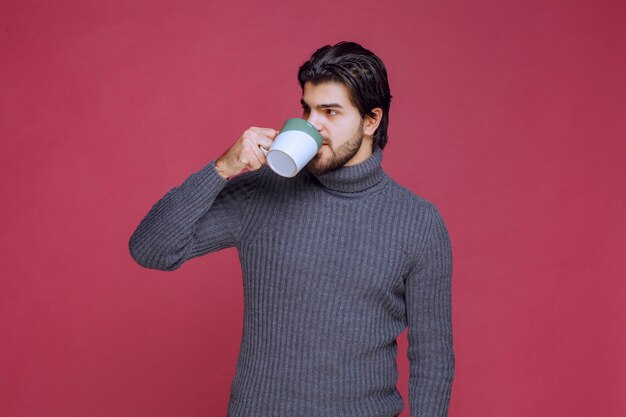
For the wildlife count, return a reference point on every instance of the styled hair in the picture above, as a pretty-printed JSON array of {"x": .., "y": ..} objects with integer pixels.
[{"x": 362, "y": 72}]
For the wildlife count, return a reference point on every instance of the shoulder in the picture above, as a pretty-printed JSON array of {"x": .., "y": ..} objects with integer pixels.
[
  {"x": 419, "y": 216},
  {"x": 412, "y": 203}
]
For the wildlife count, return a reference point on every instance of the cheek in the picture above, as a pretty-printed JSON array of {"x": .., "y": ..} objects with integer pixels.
[{"x": 331, "y": 133}]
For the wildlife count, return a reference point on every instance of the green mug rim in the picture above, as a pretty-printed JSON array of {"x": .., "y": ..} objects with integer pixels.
[{"x": 295, "y": 123}]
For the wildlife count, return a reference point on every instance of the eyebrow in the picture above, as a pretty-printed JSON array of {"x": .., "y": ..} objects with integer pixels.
[{"x": 322, "y": 106}]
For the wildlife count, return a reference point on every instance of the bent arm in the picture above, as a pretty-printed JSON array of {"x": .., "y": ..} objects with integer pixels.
[
  {"x": 203, "y": 214},
  {"x": 429, "y": 318}
]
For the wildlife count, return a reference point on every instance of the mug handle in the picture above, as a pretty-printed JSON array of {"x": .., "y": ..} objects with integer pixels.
[{"x": 264, "y": 150}]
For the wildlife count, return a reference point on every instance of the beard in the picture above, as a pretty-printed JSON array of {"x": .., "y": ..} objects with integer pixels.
[{"x": 319, "y": 165}]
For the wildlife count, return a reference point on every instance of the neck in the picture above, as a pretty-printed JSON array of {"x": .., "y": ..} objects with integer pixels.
[{"x": 357, "y": 178}]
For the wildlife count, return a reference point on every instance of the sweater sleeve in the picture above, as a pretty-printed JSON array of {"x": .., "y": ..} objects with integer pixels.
[
  {"x": 204, "y": 214},
  {"x": 429, "y": 319}
]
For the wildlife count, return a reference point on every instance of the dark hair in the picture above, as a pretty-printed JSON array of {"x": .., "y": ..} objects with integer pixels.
[{"x": 362, "y": 72}]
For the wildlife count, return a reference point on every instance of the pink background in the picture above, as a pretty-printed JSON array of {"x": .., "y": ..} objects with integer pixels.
[{"x": 509, "y": 116}]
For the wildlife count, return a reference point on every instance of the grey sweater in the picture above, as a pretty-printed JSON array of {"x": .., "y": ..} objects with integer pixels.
[{"x": 335, "y": 267}]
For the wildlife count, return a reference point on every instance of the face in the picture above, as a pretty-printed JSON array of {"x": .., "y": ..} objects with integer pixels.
[{"x": 327, "y": 106}]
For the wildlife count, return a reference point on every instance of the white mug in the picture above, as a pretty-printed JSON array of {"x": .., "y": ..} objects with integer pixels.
[{"x": 295, "y": 145}]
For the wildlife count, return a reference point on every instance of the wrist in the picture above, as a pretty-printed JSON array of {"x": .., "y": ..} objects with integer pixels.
[
  {"x": 219, "y": 167},
  {"x": 223, "y": 168}
]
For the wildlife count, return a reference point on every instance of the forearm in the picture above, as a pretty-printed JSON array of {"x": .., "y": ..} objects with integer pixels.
[
  {"x": 431, "y": 374},
  {"x": 165, "y": 237},
  {"x": 429, "y": 309}
]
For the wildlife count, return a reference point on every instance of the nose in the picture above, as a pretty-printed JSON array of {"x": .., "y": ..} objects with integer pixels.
[{"x": 314, "y": 121}]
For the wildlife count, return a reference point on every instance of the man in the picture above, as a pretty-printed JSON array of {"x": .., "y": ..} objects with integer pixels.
[{"x": 337, "y": 261}]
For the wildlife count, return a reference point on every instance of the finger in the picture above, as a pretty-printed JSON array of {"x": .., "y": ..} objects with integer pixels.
[
  {"x": 251, "y": 155},
  {"x": 265, "y": 131},
  {"x": 261, "y": 136},
  {"x": 246, "y": 154},
  {"x": 259, "y": 158},
  {"x": 265, "y": 141}
]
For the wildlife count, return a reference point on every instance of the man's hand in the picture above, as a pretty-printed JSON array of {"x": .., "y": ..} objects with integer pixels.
[{"x": 245, "y": 153}]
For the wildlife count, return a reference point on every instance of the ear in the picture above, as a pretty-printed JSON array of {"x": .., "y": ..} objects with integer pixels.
[{"x": 370, "y": 124}]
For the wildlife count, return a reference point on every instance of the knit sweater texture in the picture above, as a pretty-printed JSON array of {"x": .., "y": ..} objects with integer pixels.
[{"x": 335, "y": 267}]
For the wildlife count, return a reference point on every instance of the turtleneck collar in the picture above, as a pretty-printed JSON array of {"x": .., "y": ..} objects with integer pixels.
[{"x": 355, "y": 178}]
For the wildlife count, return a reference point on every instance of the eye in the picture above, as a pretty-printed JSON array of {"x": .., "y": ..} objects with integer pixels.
[{"x": 331, "y": 112}]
